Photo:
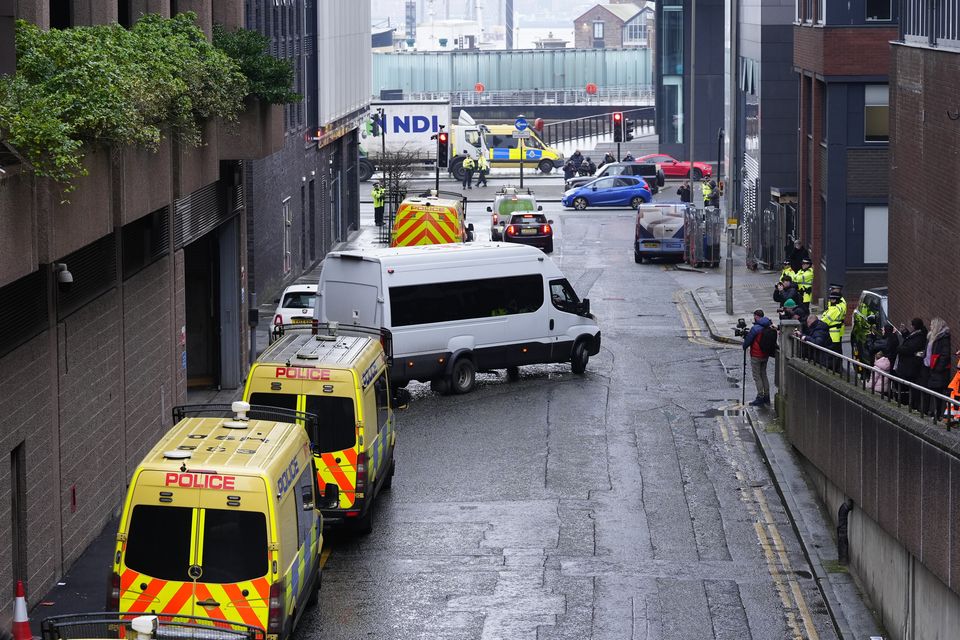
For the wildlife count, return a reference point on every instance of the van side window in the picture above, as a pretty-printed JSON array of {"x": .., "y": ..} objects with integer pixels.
[
  {"x": 158, "y": 541},
  {"x": 338, "y": 422},
  {"x": 532, "y": 143},
  {"x": 304, "y": 518},
  {"x": 383, "y": 399},
  {"x": 234, "y": 545},
  {"x": 465, "y": 299},
  {"x": 563, "y": 296}
]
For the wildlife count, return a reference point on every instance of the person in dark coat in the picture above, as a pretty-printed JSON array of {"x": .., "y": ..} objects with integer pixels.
[
  {"x": 937, "y": 364},
  {"x": 815, "y": 331},
  {"x": 569, "y": 170},
  {"x": 587, "y": 168},
  {"x": 798, "y": 254},
  {"x": 577, "y": 159},
  {"x": 608, "y": 158},
  {"x": 684, "y": 192},
  {"x": 786, "y": 290},
  {"x": 628, "y": 158},
  {"x": 908, "y": 364}
]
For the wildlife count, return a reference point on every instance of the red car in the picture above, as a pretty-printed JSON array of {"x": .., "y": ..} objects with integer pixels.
[{"x": 673, "y": 168}]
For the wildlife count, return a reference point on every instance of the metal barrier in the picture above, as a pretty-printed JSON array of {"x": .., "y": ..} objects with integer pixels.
[
  {"x": 118, "y": 625},
  {"x": 597, "y": 126},
  {"x": 702, "y": 231},
  {"x": 639, "y": 95},
  {"x": 903, "y": 393},
  {"x": 764, "y": 237}
]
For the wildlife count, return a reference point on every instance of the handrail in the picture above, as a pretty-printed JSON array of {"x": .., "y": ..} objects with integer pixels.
[{"x": 946, "y": 409}]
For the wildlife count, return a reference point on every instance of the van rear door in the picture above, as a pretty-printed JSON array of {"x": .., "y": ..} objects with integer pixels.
[
  {"x": 350, "y": 292},
  {"x": 338, "y": 445}
]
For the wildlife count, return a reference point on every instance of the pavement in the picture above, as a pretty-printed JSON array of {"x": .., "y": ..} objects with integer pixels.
[{"x": 83, "y": 588}]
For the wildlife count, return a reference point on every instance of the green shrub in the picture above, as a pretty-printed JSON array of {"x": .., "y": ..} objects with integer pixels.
[
  {"x": 270, "y": 78},
  {"x": 110, "y": 85}
]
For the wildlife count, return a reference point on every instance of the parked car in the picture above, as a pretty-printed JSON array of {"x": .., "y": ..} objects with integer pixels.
[
  {"x": 869, "y": 319},
  {"x": 295, "y": 306},
  {"x": 508, "y": 201},
  {"x": 613, "y": 191},
  {"x": 673, "y": 168},
  {"x": 530, "y": 228},
  {"x": 646, "y": 170}
]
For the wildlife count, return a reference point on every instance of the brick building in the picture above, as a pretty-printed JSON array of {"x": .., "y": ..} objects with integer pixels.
[
  {"x": 620, "y": 24},
  {"x": 154, "y": 243},
  {"x": 925, "y": 164},
  {"x": 842, "y": 53}
]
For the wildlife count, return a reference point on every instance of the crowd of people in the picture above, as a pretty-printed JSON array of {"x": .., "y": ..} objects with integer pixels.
[{"x": 577, "y": 165}]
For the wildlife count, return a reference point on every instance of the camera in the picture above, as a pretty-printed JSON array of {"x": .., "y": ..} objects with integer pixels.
[{"x": 741, "y": 329}]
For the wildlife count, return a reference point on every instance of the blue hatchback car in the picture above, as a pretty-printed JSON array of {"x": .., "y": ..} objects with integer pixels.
[{"x": 611, "y": 191}]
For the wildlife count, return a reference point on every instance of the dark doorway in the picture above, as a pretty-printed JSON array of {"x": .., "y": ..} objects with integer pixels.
[
  {"x": 202, "y": 299},
  {"x": 18, "y": 511},
  {"x": 60, "y": 14},
  {"x": 313, "y": 222}
]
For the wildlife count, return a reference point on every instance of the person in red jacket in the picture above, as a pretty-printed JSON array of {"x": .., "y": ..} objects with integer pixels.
[{"x": 759, "y": 357}]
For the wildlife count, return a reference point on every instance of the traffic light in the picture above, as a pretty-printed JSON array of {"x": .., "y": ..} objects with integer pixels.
[
  {"x": 617, "y": 126},
  {"x": 627, "y": 130},
  {"x": 443, "y": 138}
]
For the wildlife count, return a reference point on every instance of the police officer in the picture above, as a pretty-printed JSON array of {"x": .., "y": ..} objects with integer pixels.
[
  {"x": 378, "y": 193},
  {"x": 834, "y": 316},
  {"x": 482, "y": 168},
  {"x": 788, "y": 272},
  {"x": 804, "y": 281},
  {"x": 707, "y": 189},
  {"x": 469, "y": 164}
]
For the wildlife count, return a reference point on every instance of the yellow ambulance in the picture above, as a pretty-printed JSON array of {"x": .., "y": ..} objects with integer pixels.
[
  {"x": 344, "y": 380},
  {"x": 431, "y": 218},
  {"x": 506, "y": 150},
  {"x": 221, "y": 521}
]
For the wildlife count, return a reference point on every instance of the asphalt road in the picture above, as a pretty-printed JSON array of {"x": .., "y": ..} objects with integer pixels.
[{"x": 627, "y": 503}]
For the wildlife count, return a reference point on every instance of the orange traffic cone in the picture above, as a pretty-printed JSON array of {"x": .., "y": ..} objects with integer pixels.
[{"x": 21, "y": 624}]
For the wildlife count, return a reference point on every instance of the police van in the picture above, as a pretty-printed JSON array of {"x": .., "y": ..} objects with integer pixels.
[
  {"x": 344, "y": 379},
  {"x": 453, "y": 310},
  {"x": 431, "y": 218},
  {"x": 221, "y": 520}
]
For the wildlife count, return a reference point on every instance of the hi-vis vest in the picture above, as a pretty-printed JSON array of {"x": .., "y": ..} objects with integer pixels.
[
  {"x": 788, "y": 271},
  {"x": 469, "y": 163},
  {"x": 804, "y": 282},
  {"x": 834, "y": 317},
  {"x": 952, "y": 412},
  {"x": 378, "y": 193}
]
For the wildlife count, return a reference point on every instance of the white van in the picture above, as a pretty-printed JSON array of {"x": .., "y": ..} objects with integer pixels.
[{"x": 454, "y": 309}]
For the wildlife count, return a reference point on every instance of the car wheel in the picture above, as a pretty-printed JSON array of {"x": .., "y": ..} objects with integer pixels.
[
  {"x": 463, "y": 376},
  {"x": 545, "y": 166},
  {"x": 697, "y": 174},
  {"x": 579, "y": 357},
  {"x": 636, "y": 202},
  {"x": 513, "y": 374},
  {"x": 580, "y": 204},
  {"x": 637, "y": 257}
]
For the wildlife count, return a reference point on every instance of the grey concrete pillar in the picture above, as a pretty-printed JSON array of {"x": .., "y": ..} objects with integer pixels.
[
  {"x": 140, "y": 7},
  {"x": 204, "y": 11},
  {"x": 34, "y": 12},
  {"x": 91, "y": 12},
  {"x": 229, "y": 14},
  {"x": 8, "y": 49}
]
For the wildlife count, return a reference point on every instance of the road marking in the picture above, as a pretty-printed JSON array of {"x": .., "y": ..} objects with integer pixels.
[
  {"x": 770, "y": 540},
  {"x": 324, "y": 554},
  {"x": 692, "y": 327}
]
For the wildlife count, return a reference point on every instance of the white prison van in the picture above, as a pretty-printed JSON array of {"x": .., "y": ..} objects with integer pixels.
[{"x": 454, "y": 309}]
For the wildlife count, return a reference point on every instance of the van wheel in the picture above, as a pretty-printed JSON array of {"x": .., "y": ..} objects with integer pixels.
[
  {"x": 315, "y": 595},
  {"x": 513, "y": 374},
  {"x": 388, "y": 481},
  {"x": 580, "y": 204},
  {"x": 440, "y": 385},
  {"x": 545, "y": 166},
  {"x": 636, "y": 202},
  {"x": 456, "y": 169},
  {"x": 637, "y": 257},
  {"x": 463, "y": 376},
  {"x": 579, "y": 357},
  {"x": 364, "y": 525}
]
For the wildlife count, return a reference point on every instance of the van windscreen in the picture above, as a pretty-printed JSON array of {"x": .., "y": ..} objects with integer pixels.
[
  {"x": 158, "y": 541},
  {"x": 338, "y": 423},
  {"x": 234, "y": 546}
]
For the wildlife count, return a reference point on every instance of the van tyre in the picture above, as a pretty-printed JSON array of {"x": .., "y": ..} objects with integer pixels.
[
  {"x": 463, "y": 376},
  {"x": 388, "y": 481},
  {"x": 545, "y": 166},
  {"x": 580, "y": 204},
  {"x": 315, "y": 594},
  {"x": 637, "y": 257},
  {"x": 364, "y": 525},
  {"x": 456, "y": 169},
  {"x": 513, "y": 374},
  {"x": 579, "y": 357}
]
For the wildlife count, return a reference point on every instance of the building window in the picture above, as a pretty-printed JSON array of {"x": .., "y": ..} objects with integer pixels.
[
  {"x": 879, "y": 10},
  {"x": 875, "y": 235},
  {"x": 597, "y": 30},
  {"x": 636, "y": 33},
  {"x": 822, "y": 11},
  {"x": 808, "y": 11},
  {"x": 798, "y": 10},
  {"x": 18, "y": 512},
  {"x": 876, "y": 113},
  {"x": 671, "y": 49}
]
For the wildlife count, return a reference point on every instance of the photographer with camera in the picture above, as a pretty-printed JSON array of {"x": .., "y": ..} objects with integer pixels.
[
  {"x": 786, "y": 290},
  {"x": 761, "y": 340},
  {"x": 792, "y": 311}
]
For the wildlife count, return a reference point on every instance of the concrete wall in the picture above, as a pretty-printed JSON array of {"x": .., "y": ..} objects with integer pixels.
[{"x": 903, "y": 474}]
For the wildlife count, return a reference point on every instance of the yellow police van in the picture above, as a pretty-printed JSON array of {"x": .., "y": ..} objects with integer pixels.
[
  {"x": 506, "y": 151},
  {"x": 343, "y": 378},
  {"x": 431, "y": 218},
  {"x": 221, "y": 520}
]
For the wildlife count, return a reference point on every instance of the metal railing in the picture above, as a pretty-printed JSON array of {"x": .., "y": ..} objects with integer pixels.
[
  {"x": 934, "y": 23},
  {"x": 902, "y": 393},
  {"x": 118, "y": 625},
  {"x": 597, "y": 126},
  {"x": 638, "y": 95}
]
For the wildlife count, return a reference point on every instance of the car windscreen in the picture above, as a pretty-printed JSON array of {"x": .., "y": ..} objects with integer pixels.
[
  {"x": 234, "y": 546},
  {"x": 510, "y": 205},
  {"x": 528, "y": 218},
  {"x": 158, "y": 541},
  {"x": 298, "y": 300},
  {"x": 338, "y": 423}
]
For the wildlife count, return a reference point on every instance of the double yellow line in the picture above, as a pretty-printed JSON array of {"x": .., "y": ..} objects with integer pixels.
[
  {"x": 691, "y": 326},
  {"x": 771, "y": 542}
]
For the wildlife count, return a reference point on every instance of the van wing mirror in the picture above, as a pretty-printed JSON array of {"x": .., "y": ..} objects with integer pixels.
[
  {"x": 470, "y": 227},
  {"x": 309, "y": 504},
  {"x": 585, "y": 306},
  {"x": 489, "y": 209},
  {"x": 331, "y": 495},
  {"x": 539, "y": 207}
]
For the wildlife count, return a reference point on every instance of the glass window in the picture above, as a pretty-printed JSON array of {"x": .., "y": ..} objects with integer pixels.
[
  {"x": 603, "y": 183},
  {"x": 466, "y": 299},
  {"x": 671, "y": 49},
  {"x": 613, "y": 170},
  {"x": 158, "y": 542},
  {"x": 808, "y": 11},
  {"x": 472, "y": 137},
  {"x": 875, "y": 235},
  {"x": 529, "y": 218},
  {"x": 279, "y": 400},
  {"x": 822, "y": 11},
  {"x": 563, "y": 296},
  {"x": 234, "y": 545},
  {"x": 338, "y": 422},
  {"x": 383, "y": 399},
  {"x": 532, "y": 143},
  {"x": 598, "y": 30},
  {"x": 299, "y": 300},
  {"x": 509, "y": 205},
  {"x": 876, "y": 113}
]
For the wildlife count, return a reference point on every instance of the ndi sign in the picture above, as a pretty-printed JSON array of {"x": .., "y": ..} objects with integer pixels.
[{"x": 411, "y": 124}]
